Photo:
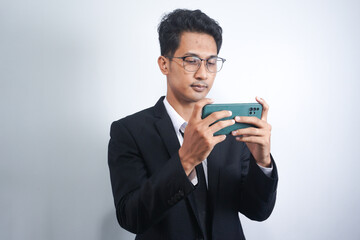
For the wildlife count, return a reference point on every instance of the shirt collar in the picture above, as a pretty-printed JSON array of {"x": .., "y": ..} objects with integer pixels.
[{"x": 178, "y": 122}]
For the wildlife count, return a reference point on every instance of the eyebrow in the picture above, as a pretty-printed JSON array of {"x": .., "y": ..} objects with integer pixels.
[{"x": 196, "y": 55}]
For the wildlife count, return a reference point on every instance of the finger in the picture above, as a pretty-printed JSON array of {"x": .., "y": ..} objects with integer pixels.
[
  {"x": 199, "y": 106},
  {"x": 213, "y": 117},
  {"x": 221, "y": 124},
  {"x": 250, "y": 131},
  {"x": 218, "y": 139},
  {"x": 251, "y": 139},
  {"x": 251, "y": 120},
  {"x": 265, "y": 108}
]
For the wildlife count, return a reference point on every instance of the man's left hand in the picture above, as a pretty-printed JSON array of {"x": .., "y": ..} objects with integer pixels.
[{"x": 256, "y": 138}]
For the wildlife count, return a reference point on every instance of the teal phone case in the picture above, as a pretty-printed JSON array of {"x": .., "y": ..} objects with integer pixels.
[{"x": 237, "y": 109}]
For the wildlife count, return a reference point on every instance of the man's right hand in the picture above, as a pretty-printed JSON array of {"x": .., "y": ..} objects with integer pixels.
[{"x": 199, "y": 139}]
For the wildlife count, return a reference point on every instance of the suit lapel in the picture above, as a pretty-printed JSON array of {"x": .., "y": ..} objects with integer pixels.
[
  {"x": 166, "y": 131},
  {"x": 166, "y": 128}
]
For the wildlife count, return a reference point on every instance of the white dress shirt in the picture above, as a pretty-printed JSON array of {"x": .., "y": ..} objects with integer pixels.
[{"x": 179, "y": 124}]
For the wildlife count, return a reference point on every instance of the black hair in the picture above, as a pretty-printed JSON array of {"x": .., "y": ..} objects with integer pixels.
[{"x": 178, "y": 21}]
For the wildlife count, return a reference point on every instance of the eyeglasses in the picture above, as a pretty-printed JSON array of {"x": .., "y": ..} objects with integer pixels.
[{"x": 193, "y": 63}]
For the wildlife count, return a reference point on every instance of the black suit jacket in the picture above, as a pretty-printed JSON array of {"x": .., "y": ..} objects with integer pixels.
[{"x": 153, "y": 196}]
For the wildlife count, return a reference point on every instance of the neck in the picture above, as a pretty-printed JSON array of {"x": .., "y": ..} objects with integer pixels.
[{"x": 184, "y": 109}]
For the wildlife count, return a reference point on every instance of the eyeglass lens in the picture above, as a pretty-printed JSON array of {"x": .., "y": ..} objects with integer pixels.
[{"x": 192, "y": 64}]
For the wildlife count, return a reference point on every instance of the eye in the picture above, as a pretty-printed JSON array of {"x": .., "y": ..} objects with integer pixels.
[
  {"x": 191, "y": 60},
  {"x": 212, "y": 61}
]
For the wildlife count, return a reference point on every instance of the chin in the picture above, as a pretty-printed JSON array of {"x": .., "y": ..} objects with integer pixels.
[{"x": 197, "y": 96}]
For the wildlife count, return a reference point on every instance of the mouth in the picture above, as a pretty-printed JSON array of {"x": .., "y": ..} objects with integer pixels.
[{"x": 199, "y": 87}]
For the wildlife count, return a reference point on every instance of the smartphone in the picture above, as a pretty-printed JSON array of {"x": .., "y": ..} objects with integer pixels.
[{"x": 237, "y": 109}]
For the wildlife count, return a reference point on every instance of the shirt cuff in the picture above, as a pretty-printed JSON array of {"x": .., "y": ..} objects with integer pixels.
[
  {"x": 266, "y": 171},
  {"x": 193, "y": 177}
]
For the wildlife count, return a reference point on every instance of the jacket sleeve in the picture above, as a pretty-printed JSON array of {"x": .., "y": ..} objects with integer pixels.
[
  {"x": 142, "y": 199},
  {"x": 258, "y": 192}
]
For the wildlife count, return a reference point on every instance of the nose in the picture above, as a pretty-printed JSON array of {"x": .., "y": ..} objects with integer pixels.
[{"x": 201, "y": 73}]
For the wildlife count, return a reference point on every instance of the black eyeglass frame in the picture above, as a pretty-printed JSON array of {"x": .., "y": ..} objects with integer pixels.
[{"x": 201, "y": 60}]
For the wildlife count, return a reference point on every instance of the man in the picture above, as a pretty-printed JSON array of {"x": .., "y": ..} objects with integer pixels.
[{"x": 171, "y": 177}]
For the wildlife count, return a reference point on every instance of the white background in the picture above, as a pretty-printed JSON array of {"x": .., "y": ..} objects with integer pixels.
[{"x": 69, "y": 68}]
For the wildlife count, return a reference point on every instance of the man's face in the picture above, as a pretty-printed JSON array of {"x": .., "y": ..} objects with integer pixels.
[{"x": 188, "y": 87}]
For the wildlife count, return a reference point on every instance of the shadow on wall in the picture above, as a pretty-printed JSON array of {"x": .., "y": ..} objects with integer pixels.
[{"x": 111, "y": 230}]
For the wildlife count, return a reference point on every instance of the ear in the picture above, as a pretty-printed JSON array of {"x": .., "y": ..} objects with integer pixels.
[{"x": 163, "y": 65}]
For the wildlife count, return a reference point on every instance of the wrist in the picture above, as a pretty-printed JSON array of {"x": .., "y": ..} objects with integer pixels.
[
  {"x": 186, "y": 163},
  {"x": 266, "y": 162}
]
